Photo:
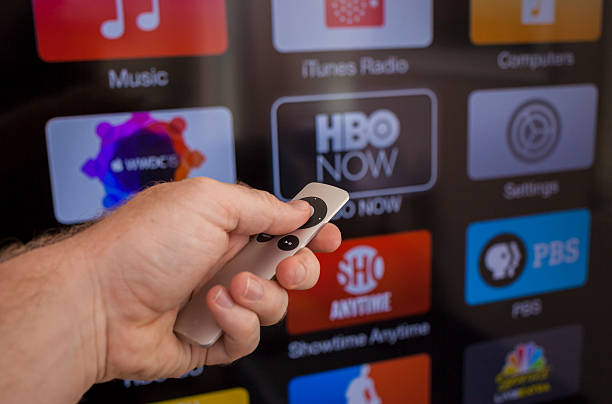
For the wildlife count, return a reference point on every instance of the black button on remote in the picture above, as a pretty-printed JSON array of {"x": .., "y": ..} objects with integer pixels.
[
  {"x": 319, "y": 211},
  {"x": 288, "y": 243},
  {"x": 263, "y": 237}
]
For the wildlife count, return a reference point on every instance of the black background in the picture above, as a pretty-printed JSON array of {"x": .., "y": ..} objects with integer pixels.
[{"x": 247, "y": 79}]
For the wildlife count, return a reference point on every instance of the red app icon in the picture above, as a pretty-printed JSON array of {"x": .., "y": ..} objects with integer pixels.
[
  {"x": 69, "y": 30},
  {"x": 367, "y": 279},
  {"x": 354, "y": 13}
]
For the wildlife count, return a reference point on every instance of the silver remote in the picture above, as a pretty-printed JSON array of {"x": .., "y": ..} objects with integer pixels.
[{"x": 262, "y": 254}]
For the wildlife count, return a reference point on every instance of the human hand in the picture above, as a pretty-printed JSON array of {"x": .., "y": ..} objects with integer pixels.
[{"x": 148, "y": 256}]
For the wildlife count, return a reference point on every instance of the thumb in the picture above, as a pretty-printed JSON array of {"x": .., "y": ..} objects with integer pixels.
[{"x": 250, "y": 211}]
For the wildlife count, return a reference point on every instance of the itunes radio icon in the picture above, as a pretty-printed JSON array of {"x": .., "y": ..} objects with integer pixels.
[
  {"x": 354, "y": 13},
  {"x": 327, "y": 25},
  {"x": 367, "y": 279}
]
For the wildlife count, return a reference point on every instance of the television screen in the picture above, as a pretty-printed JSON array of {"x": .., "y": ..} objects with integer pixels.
[{"x": 473, "y": 137}]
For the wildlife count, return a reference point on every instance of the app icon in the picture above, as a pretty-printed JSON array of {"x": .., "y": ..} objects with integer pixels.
[
  {"x": 70, "y": 30},
  {"x": 236, "y": 395},
  {"x": 531, "y": 130},
  {"x": 537, "y": 12},
  {"x": 534, "y": 130},
  {"x": 527, "y": 255},
  {"x": 324, "y": 25},
  {"x": 138, "y": 152},
  {"x": 99, "y": 161},
  {"x": 502, "y": 260},
  {"x": 354, "y": 13},
  {"x": 367, "y": 279},
  {"x": 370, "y": 144},
  {"x": 528, "y": 368},
  {"x": 535, "y": 21},
  {"x": 403, "y": 380}
]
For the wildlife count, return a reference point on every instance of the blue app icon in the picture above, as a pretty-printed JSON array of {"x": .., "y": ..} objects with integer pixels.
[{"x": 527, "y": 255}]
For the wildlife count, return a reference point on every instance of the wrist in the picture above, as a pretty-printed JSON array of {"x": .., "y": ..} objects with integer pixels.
[{"x": 52, "y": 326}]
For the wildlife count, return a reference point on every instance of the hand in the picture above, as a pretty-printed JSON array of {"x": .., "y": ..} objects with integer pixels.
[{"x": 148, "y": 256}]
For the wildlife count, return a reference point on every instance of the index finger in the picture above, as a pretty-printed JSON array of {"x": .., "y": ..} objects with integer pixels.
[{"x": 244, "y": 210}]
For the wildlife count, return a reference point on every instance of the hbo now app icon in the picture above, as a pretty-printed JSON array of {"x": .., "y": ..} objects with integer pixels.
[
  {"x": 526, "y": 255},
  {"x": 370, "y": 144},
  {"x": 531, "y": 130}
]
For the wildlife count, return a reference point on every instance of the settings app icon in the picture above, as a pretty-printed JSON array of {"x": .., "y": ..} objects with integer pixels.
[{"x": 534, "y": 131}]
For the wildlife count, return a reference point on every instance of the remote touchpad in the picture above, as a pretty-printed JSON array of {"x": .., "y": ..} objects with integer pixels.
[{"x": 319, "y": 211}]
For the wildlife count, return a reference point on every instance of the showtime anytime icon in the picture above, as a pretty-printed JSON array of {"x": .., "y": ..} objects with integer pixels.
[
  {"x": 358, "y": 273},
  {"x": 375, "y": 278}
]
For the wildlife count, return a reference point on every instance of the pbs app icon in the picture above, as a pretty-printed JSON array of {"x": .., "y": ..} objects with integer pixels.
[{"x": 527, "y": 255}]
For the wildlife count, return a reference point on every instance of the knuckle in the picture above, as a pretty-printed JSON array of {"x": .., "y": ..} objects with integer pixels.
[
  {"x": 269, "y": 199},
  {"x": 282, "y": 307},
  {"x": 251, "y": 324},
  {"x": 253, "y": 343},
  {"x": 203, "y": 183},
  {"x": 308, "y": 260},
  {"x": 276, "y": 310}
]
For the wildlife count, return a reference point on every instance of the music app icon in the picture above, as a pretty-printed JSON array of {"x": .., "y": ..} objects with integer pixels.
[{"x": 73, "y": 30}]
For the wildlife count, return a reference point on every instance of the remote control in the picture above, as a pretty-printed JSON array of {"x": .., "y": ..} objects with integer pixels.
[{"x": 262, "y": 254}]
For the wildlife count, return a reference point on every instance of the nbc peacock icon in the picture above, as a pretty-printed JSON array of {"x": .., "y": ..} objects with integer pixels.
[{"x": 525, "y": 373}]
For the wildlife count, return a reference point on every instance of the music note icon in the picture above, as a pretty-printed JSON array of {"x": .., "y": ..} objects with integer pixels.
[
  {"x": 125, "y": 29},
  {"x": 146, "y": 21},
  {"x": 149, "y": 20},
  {"x": 538, "y": 12},
  {"x": 113, "y": 29}
]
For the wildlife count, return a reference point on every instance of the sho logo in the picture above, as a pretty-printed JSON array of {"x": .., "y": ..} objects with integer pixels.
[
  {"x": 502, "y": 260},
  {"x": 360, "y": 270},
  {"x": 343, "y": 140}
]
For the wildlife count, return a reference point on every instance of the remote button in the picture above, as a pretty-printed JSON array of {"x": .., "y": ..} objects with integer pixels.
[
  {"x": 319, "y": 211},
  {"x": 288, "y": 243},
  {"x": 263, "y": 237}
]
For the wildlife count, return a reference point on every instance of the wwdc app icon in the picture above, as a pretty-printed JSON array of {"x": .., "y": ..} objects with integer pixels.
[
  {"x": 325, "y": 25},
  {"x": 72, "y": 30},
  {"x": 370, "y": 144},
  {"x": 99, "y": 161}
]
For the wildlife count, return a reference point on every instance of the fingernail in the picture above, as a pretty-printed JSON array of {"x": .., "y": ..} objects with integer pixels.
[
  {"x": 254, "y": 290},
  {"x": 223, "y": 299},
  {"x": 300, "y": 275},
  {"x": 299, "y": 204}
]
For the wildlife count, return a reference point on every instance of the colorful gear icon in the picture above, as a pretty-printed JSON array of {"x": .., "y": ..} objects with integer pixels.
[{"x": 138, "y": 153}]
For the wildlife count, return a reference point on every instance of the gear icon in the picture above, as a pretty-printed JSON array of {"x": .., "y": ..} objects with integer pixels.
[{"x": 534, "y": 131}]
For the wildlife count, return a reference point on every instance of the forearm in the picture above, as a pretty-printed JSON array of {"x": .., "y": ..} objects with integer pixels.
[{"x": 48, "y": 321}]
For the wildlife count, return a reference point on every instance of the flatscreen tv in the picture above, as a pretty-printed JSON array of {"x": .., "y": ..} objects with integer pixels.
[{"x": 474, "y": 138}]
